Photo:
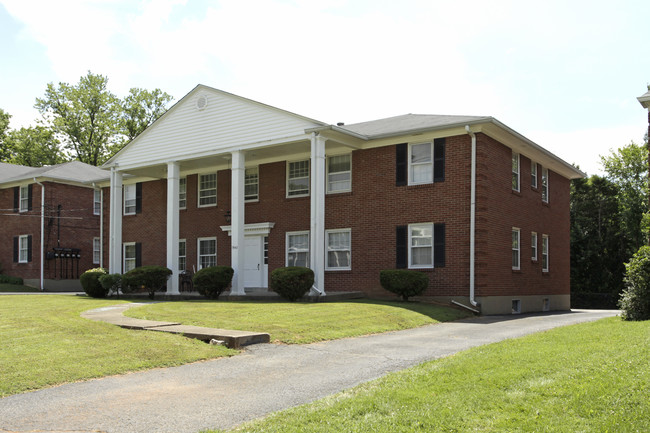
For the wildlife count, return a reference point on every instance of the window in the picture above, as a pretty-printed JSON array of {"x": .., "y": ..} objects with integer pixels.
[
  {"x": 207, "y": 190},
  {"x": 533, "y": 174},
  {"x": 298, "y": 249},
  {"x": 251, "y": 184},
  {"x": 130, "y": 255},
  {"x": 339, "y": 173},
  {"x": 97, "y": 250},
  {"x": 182, "y": 193},
  {"x": 298, "y": 178},
  {"x": 182, "y": 255},
  {"x": 421, "y": 164},
  {"x": 533, "y": 245},
  {"x": 545, "y": 185},
  {"x": 129, "y": 199},
  {"x": 516, "y": 306},
  {"x": 97, "y": 202},
  {"x": 421, "y": 246},
  {"x": 24, "y": 198},
  {"x": 23, "y": 248},
  {"x": 338, "y": 249},
  {"x": 515, "y": 248},
  {"x": 545, "y": 253},
  {"x": 207, "y": 248},
  {"x": 515, "y": 171}
]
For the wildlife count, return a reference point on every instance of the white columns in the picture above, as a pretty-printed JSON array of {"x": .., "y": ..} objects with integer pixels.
[
  {"x": 237, "y": 221},
  {"x": 173, "y": 224},
  {"x": 317, "y": 233},
  {"x": 115, "y": 230}
]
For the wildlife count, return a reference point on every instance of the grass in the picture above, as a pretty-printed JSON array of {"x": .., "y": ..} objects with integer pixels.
[
  {"x": 299, "y": 323},
  {"x": 592, "y": 377},
  {"x": 45, "y": 342},
  {"x": 5, "y": 287}
]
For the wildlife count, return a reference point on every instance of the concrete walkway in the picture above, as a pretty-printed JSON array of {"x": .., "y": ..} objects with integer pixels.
[{"x": 265, "y": 378}]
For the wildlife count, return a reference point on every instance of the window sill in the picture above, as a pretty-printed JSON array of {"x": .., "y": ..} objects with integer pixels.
[
  {"x": 517, "y": 271},
  {"x": 517, "y": 193},
  {"x": 206, "y": 206},
  {"x": 339, "y": 193},
  {"x": 338, "y": 270},
  {"x": 420, "y": 185}
]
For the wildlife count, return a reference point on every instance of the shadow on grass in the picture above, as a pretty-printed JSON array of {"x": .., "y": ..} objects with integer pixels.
[{"x": 440, "y": 313}]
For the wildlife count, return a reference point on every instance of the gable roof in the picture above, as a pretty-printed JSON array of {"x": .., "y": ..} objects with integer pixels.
[
  {"x": 74, "y": 172},
  {"x": 409, "y": 124}
]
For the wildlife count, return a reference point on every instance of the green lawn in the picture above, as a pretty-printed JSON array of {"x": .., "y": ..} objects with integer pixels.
[
  {"x": 592, "y": 377},
  {"x": 44, "y": 342},
  {"x": 299, "y": 323},
  {"x": 4, "y": 287}
]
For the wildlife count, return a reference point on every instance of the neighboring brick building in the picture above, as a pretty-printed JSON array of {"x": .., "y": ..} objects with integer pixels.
[
  {"x": 226, "y": 180},
  {"x": 70, "y": 223}
]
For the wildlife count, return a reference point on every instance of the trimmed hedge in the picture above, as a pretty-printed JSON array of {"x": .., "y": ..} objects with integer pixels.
[
  {"x": 112, "y": 283},
  {"x": 90, "y": 282},
  {"x": 150, "y": 279},
  {"x": 213, "y": 280},
  {"x": 635, "y": 299},
  {"x": 403, "y": 282},
  {"x": 6, "y": 279},
  {"x": 292, "y": 282}
]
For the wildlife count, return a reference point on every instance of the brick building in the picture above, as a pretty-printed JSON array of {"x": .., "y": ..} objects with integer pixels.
[
  {"x": 221, "y": 179},
  {"x": 50, "y": 228}
]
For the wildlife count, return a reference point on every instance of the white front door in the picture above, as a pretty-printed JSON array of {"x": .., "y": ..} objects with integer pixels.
[{"x": 254, "y": 261}]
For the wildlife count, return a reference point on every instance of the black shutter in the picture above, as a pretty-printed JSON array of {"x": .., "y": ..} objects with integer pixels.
[
  {"x": 439, "y": 160},
  {"x": 138, "y": 197},
  {"x": 401, "y": 244},
  {"x": 401, "y": 164},
  {"x": 439, "y": 245},
  {"x": 16, "y": 198},
  {"x": 138, "y": 254},
  {"x": 29, "y": 247},
  {"x": 15, "y": 249}
]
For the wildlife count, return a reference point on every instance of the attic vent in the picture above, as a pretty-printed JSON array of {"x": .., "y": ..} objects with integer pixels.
[{"x": 201, "y": 102}]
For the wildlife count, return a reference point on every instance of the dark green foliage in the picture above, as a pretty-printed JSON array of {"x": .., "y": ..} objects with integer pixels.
[
  {"x": 213, "y": 280},
  {"x": 112, "y": 283},
  {"x": 6, "y": 279},
  {"x": 150, "y": 279},
  {"x": 404, "y": 282},
  {"x": 292, "y": 282},
  {"x": 635, "y": 299},
  {"x": 90, "y": 282}
]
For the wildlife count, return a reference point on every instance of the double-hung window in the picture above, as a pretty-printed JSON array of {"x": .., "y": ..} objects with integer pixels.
[
  {"x": 97, "y": 250},
  {"x": 298, "y": 178},
  {"x": 515, "y": 171},
  {"x": 24, "y": 198},
  {"x": 545, "y": 265},
  {"x": 182, "y": 254},
  {"x": 516, "y": 247},
  {"x": 339, "y": 173},
  {"x": 97, "y": 202},
  {"x": 338, "y": 249},
  {"x": 298, "y": 249},
  {"x": 129, "y": 256},
  {"x": 207, "y": 190},
  {"x": 23, "y": 249},
  {"x": 533, "y": 244},
  {"x": 182, "y": 193},
  {"x": 421, "y": 163},
  {"x": 421, "y": 246},
  {"x": 545, "y": 185},
  {"x": 251, "y": 184},
  {"x": 129, "y": 199},
  {"x": 207, "y": 248},
  {"x": 533, "y": 174}
]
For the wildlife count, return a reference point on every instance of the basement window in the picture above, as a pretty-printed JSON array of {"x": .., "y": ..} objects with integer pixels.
[{"x": 516, "y": 306}]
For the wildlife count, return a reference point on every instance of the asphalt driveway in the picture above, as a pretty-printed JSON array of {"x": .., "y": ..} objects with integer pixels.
[{"x": 265, "y": 378}]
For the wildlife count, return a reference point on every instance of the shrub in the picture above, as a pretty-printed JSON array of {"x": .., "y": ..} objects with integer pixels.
[
  {"x": 90, "y": 282},
  {"x": 112, "y": 283},
  {"x": 292, "y": 282},
  {"x": 151, "y": 279},
  {"x": 635, "y": 299},
  {"x": 6, "y": 279},
  {"x": 213, "y": 280},
  {"x": 403, "y": 282}
]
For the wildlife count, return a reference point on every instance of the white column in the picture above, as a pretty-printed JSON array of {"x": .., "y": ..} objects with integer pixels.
[
  {"x": 317, "y": 233},
  {"x": 237, "y": 221},
  {"x": 115, "y": 230},
  {"x": 173, "y": 224}
]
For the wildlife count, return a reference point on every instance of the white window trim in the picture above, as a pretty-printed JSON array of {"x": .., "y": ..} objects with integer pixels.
[
  {"x": 410, "y": 164},
  {"x": 517, "y": 248},
  {"x": 533, "y": 174},
  {"x": 198, "y": 250},
  {"x": 410, "y": 246},
  {"x": 286, "y": 245},
  {"x": 338, "y": 268},
  {"x": 198, "y": 188},
  {"x": 517, "y": 172},
  {"x": 545, "y": 188},
  {"x": 308, "y": 179},
  {"x": 23, "y": 198},
  {"x": 545, "y": 252},
  {"x": 128, "y": 188},
  {"x": 97, "y": 250},
  {"x": 336, "y": 191},
  {"x": 97, "y": 202},
  {"x": 180, "y": 241},
  {"x": 257, "y": 197},
  {"x": 124, "y": 258},
  {"x": 182, "y": 181},
  {"x": 533, "y": 244},
  {"x": 23, "y": 245}
]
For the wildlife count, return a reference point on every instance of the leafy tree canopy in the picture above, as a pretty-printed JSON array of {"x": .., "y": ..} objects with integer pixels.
[
  {"x": 33, "y": 147},
  {"x": 4, "y": 127}
]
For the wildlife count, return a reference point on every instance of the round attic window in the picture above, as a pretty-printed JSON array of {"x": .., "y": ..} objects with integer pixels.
[{"x": 202, "y": 102}]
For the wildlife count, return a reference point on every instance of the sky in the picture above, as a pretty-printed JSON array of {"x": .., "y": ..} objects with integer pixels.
[{"x": 565, "y": 74}]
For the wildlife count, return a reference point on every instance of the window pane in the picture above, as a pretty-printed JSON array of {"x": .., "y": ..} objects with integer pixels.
[
  {"x": 251, "y": 184},
  {"x": 182, "y": 193},
  {"x": 338, "y": 175},
  {"x": 421, "y": 153},
  {"x": 422, "y": 173},
  {"x": 298, "y": 180},
  {"x": 207, "y": 189},
  {"x": 421, "y": 256},
  {"x": 339, "y": 163},
  {"x": 338, "y": 259}
]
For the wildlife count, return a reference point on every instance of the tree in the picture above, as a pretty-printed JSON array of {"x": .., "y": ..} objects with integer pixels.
[
  {"x": 4, "y": 127},
  {"x": 140, "y": 108},
  {"x": 34, "y": 147}
]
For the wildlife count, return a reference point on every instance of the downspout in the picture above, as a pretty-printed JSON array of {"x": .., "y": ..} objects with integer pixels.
[
  {"x": 472, "y": 220},
  {"x": 42, "y": 233},
  {"x": 101, "y": 225}
]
